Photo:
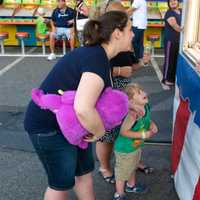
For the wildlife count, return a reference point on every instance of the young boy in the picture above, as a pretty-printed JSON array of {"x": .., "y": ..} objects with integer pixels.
[
  {"x": 136, "y": 127},
  {"x": 41, "y": 23}
]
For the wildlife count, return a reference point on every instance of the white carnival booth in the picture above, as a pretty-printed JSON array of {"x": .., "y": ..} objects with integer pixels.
[{"x": 186, "y": 130}]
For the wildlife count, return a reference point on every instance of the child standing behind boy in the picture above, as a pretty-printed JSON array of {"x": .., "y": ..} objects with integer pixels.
[
  {"x": 134, "y": 130},
  {"x": 41, "y": 23}
]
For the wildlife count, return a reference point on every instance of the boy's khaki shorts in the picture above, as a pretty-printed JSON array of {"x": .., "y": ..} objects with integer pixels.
[{"x": 126, "y": 164}]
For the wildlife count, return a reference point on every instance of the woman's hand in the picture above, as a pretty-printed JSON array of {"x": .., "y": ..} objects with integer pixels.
[
  {"x": 126, "y": 71},
  {"x": 90, "y": 138},
  {"x": 70, "y": 22},
  {"x": 173, "y": 23}
]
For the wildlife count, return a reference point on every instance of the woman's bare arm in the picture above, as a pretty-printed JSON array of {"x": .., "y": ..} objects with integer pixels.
[
  {"x": 89, "y": 89},
  {"x": 173, "y": 23},
  {"x": 125, "y": 71}
]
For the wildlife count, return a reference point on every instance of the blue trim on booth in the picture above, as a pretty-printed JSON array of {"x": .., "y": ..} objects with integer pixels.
[{"x": 188, "y": 82}]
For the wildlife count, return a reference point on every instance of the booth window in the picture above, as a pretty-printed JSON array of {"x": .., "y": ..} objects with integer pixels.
[{"x": 191, "y": 35}]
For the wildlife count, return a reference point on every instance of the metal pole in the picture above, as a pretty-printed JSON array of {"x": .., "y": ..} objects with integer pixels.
[
  {"x": 43, "y": 48},
  {"x": 152, "y": 45},
  {"x": 64, "y": 46},
  {"x": 2, "y": 47},
  {"x": 22, "y": 46}
]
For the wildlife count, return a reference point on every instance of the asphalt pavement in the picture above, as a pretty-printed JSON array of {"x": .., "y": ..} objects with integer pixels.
[{"x": 21, "y": 174}]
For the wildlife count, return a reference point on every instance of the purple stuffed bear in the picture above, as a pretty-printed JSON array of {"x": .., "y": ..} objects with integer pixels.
[{"x": 112, "y": 107}]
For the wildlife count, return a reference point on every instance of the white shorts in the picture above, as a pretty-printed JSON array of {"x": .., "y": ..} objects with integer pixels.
[
  {"x": 62, "y": 32},
  {"x": 80, "y": 23}
]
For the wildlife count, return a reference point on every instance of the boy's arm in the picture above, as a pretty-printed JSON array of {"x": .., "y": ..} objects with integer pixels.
[
  {"x": 128, "y": 123},
  {"x": 131, "y": 134},
  {"x": 126, "y": 126}
]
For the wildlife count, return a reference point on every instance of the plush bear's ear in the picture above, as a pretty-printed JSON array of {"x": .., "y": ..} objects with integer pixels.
[{"x": 36, "y": 95}]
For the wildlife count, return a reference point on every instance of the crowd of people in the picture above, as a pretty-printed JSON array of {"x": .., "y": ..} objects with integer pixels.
[{"x": 112, "y": 50}]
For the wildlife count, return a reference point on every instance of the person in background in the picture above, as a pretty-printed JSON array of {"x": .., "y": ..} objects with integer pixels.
[
  {"x": 41, "y": 23},
  {"x": 139, "y": 23},
  {"x": 61, "y": 23},
  {"x": 80, "y": 19},
  {"x": 171, "y": 41},
  {"x": 124, "y": 65},
  {"x": 134, "y": 130}
]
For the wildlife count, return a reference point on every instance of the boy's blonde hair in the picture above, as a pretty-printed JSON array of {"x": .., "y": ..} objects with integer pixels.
[{"x": 132, "y": 89}]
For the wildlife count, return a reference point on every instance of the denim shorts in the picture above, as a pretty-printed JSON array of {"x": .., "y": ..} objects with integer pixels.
[
  {"x": 61, "y": 160},
  {"x": 62, "y": 32}
]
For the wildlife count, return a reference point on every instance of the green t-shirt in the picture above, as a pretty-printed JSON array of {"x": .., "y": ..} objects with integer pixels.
[
  {"x": 127, "y": 145},
  {"x": 41, "y": 27}
]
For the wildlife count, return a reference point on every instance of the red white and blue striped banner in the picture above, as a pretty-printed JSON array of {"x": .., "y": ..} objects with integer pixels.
[{"x": 186, "y": 132}]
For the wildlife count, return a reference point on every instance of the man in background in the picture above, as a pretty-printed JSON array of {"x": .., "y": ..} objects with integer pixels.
[{"x": 61, "y": 24}]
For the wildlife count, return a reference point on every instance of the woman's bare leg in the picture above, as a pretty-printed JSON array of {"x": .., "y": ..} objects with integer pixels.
[
  {"x": 84, "y": 187},
  {"x": 103, "y": 152},
  {"x": 52, "y": 194}
]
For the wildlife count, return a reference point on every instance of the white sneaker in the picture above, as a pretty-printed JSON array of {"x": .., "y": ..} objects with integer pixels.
[{"x": 51, "y": 56}]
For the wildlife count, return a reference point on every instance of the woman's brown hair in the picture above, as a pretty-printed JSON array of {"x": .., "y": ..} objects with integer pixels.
[{"x": 99, "y": 31}]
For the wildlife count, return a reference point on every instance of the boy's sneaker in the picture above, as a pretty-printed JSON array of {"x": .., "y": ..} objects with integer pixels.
[
  {"x": 137, "y": 188},
  {"x": 118, "y": 197},
  {"x": 52, "y": 56}
]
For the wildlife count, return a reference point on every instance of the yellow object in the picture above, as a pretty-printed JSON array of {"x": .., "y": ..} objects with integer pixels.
[
  {"x": 88, "y": 2},
  {"x": 49, "y": 3},
  {"x": 151, "y": 31},
  {"x": 71, "y": 3},
  {"x": 126, "y": 4},
  {"x": 30, "y": 4},
  {"x": 143, "y": 133},
  {"x": 11, "y": 3},
  {"x": 137, "y": 143},
  {"x": 11, "y": 34},
  {"x": 61, "y": 92}
]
